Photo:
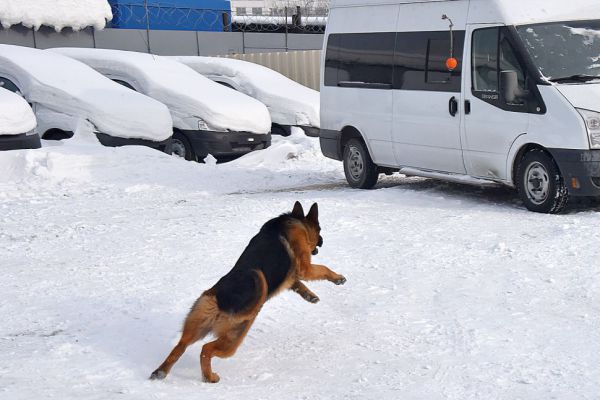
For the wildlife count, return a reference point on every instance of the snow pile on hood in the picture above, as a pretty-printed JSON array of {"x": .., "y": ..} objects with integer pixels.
[
  {"x": 16, "y": 117},
  {"x": 66, "y": 86},
  {"x": 76, "y": 14},
  {"x": 289, "y": 102},
  {"x": 186, "y": 93}
]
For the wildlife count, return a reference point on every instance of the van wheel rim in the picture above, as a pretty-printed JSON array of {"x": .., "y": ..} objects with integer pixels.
[
  {"x": 356, "y": 163},
  {"x": 178, "y": 148},
  {"x": 537, "y": 183}
]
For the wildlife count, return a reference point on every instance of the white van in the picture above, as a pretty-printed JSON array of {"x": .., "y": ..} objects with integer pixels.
[{"x": 521, "y": 107}]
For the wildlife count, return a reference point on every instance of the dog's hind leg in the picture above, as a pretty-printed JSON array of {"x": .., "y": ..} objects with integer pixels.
[
  {"x": 305, "y": 292},
  {"x": 225, "y": 346},
  {"x": 231, "y": 329},
  {"x": 198, "y": 324}
]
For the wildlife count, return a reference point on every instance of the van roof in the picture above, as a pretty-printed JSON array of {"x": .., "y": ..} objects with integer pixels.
[{"x": 510, "y": 12}]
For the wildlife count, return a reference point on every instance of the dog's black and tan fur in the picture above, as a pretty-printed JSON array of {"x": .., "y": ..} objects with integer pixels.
[{"x": 276, "y": 259}]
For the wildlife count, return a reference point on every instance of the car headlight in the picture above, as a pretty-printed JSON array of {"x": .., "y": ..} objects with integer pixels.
[
  {"x": 202, "y": 125},
  {"x": 592, "y": 124}
]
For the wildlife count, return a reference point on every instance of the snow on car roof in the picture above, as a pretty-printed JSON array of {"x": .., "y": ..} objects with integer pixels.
[
  {"x": 286, "y": 100},
  {"x": 70, "y": 87},
  {"x": 186, "y": 93},
  {"x": 16, "y": 117},
  {"x": 76, "y": 14}
]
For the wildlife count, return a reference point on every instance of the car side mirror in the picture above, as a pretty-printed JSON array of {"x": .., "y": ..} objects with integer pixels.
[{"x": 512, "y": 93}]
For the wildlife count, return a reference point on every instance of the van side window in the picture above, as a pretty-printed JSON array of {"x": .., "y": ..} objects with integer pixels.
[
  {"x": 492, "y": 53},
  {"x": 359, "y": 58},
  {"x": 485, "y": 60},
  {"x": 420, "y": 61}
]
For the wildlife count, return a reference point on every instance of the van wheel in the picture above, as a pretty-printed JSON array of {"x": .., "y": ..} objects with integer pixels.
[
  {"x": 540, "y": 184},
  {"x": 181, "y": 147},
  {"x": 359, "y": 168}
]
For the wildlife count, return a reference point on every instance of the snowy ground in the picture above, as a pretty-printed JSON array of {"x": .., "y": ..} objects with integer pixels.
[{"x": 453, "y": 292}]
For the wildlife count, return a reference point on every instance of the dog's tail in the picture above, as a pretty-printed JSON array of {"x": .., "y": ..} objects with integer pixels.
[{"x": 262, "y": 293}]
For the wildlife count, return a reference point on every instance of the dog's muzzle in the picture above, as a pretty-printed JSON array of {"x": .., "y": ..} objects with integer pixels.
[{"x": 319, "y": 244}]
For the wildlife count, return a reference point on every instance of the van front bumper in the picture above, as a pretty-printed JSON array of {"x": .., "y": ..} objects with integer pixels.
[
  {"x": 580, "y": 170},
  {"x": 331, "y": 143},
  {"x": 18, "y": 142},
  {"x": 113, "y": 141},
  {"x": 224, "y": 144}
]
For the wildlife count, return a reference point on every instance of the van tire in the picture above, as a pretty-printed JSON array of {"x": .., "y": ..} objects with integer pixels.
[
  {"x": 181, "y": 147},
  {"x": 360, "y": 171},
  {"x": 540, "y": 183}
]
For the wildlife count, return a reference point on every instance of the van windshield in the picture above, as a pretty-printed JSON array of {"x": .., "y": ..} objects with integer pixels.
[{"x": 565, "y": 52}]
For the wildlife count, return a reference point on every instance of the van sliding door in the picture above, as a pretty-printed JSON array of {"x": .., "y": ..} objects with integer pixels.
[{"x": 427, "y": 100}]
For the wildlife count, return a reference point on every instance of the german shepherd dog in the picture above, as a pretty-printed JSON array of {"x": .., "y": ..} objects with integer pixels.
[{"x": 276, "y": 259}]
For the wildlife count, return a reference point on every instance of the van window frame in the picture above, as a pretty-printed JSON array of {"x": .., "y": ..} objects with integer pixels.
[
  {"x": 534, "y": 104},
  {"x": 397, "y": 81}
]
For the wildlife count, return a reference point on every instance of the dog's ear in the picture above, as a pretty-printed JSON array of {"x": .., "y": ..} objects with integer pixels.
[
  {"x": 313, "y": 213},
  {"x": 298, "y": 211}
]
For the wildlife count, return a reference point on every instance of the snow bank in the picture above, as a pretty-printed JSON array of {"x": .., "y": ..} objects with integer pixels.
[
  {"x": 16, "y": 117},
  {"x": 453, "y": 292},
  {"x": 76, "y": 14},
  {"x": 186, "y": 93},
  {"x": 289, "y": 102},
  {"x": 66, "y": 86},
  {"x": 78, "y": 162}
]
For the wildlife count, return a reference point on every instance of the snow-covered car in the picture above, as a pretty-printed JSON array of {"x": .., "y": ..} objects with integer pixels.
[
  {"x": 290, "y": 103},
  {"x": 17, "y": 123},
  {"x": 207, "y": 117},
  {"x": 67, "y": 97}
]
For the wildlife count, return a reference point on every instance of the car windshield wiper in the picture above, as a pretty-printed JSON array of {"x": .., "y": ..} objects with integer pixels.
[{"x": 575, "y": 78}]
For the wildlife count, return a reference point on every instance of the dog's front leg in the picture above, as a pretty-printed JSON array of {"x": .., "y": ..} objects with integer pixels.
[
  {"x": 305, "y": 292},
  {"x": 316, "y": 272}
]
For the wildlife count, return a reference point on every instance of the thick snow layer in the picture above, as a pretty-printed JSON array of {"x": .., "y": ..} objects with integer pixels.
[
  {"x": 76, "y": 14},
  {"x": 186, "y": 93},
  {"x": 16, "y": 117},
  {"x": 454, "y": 292},
  {"x": 289, "y": 102},
  {"x": 66, "y": 86}
]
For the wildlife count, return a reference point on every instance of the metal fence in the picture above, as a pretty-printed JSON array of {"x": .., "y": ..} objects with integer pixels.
[
  {"x": 300, "y": 66},
  {"x": 170, "y": 16}
]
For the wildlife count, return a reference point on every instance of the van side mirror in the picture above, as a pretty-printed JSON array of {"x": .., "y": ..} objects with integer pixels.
[{"x": 512, "y": 93}]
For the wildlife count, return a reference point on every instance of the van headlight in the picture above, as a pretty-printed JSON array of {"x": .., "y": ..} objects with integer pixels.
[{"x": 592, "y": 123}]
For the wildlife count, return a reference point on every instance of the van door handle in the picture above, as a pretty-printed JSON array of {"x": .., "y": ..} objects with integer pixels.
[
  {"x": 453, "y": 106},
  {"x": 467, "y": 107}
]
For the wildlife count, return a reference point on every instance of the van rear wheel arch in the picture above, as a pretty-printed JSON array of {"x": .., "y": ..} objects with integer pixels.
[{"x": 359, "y": 169}]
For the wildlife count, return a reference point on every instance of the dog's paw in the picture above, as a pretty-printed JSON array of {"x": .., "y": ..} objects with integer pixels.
[
  {"x": 311, "y": 298},
  {"x": 158, "y": 374},
  {"x": 339, "y": 281},
  {"x": 212, "y": 378}
]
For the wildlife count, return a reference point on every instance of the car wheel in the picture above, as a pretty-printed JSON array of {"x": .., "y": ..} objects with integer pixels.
[
  {"x": 181, "y": 147},
  {"x": 540, "y": 183},
  {"x": 359, "y": 168}
]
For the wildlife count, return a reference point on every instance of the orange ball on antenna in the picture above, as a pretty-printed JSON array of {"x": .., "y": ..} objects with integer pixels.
[{"x": 451, "y": 63}]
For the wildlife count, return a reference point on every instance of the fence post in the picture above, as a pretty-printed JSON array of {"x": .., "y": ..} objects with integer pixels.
[
  {"x": 286, "y": 29},
  {"x": 147, "y": 26}
]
